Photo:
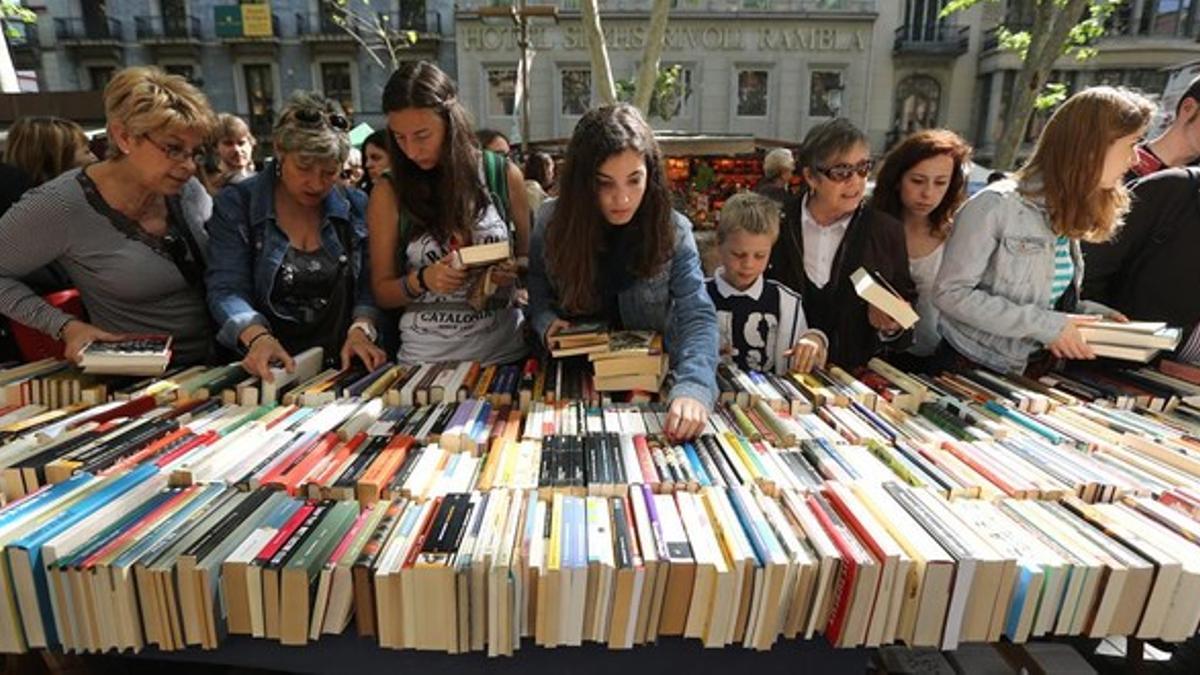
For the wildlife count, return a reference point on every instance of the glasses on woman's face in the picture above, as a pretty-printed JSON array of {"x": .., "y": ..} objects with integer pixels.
[
  {"x": 177, "y": 153},
  {"x": 840, "y": 173},
  {"x": 313, "y": 117}
]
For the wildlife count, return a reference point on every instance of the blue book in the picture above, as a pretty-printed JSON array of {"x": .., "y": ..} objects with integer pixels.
[
  {"x": 25, "y": 555},
  {"x": 747, "y": 522},
  {"x": 697, "y": 467},
  {"x": 169, "y": 529},
  {"x": 43, "y": 497}
]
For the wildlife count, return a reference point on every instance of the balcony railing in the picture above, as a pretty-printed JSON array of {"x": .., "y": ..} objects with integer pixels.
[
  {"x": 420, "y": 21},
  {"x": 20, "y": 35},
  {"x": 77, "y": 29},
  {"x": 707, "y": 6},
  {"x": 932, "y": 39},
  {"x": 309, "y": 25},
  {"x": 168, "y": 27}
]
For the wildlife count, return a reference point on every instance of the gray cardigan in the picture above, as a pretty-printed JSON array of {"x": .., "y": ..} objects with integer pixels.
[{"x": 126, "y": 286}]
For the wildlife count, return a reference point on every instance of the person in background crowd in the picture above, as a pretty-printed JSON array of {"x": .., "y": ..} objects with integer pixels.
[
  {"x": 1178, "y": 145},
  {"x": 761, "y": 321},
  {"x": 235, "y": 151},
  {"x": 375, "y": 158},
  {"x": 129, "y": 230},
  {"x": 290, "y": 267},
  {"x": 612, "y": 248},
  {"x": 996, "y": 176},
  {"x": 778, "y": 168},
  {"x": 1154, "y": 253},
  {"x": 922, "y": 183},
  {"x": 43, "y": 148},
  {"x": 352, "y": 171},
  {"x": 443, "y": 194},
  {"x": 1009, "y": 282},
  {"x": 830, "y": 235},
  {"x": 539, "y": 179},
  {"x": 490, "y": 139}
]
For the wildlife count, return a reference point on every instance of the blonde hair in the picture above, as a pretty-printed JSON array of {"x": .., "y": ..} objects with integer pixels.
[
  {"x": 231, "y": 126},
  {"x": 751, "y": 213},
  {"x": 317, "y": 140},
  {"x": 44, "y": 147},
  {"x": 777, "y": 161},
  {"x": 145, "y": 99},
  {"x": 1068, "y": 161}
]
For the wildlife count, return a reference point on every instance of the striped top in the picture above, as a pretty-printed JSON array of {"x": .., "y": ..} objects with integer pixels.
[{"x": 1064, "y": 270}]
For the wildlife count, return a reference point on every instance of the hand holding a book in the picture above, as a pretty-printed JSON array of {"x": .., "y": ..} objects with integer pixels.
[
  {"x": 685, "y": 419},
  {"x": 503, "y": 274},
  {"x": 265, "y": 351},
  {"x": 881, "y": 322},
  {"x": 809, "y": 352},
  {"x": 77, "y": 334},
  {"x": 358, "y": 344},
  {"x": 556, "y": 326},
  {"x": 1070, "y": 343},
  {"x": 442, "y": 277}
]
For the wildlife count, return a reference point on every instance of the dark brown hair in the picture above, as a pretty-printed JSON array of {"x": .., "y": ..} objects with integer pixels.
[
  {"x": 537, "y": 168},
  {"x": 575, "y": 233},
  {"x": 447, "y": 199},
  {"x": 913, "y": 150}
]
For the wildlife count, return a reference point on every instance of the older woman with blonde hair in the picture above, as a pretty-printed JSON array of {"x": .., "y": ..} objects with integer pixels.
[
  {"x": 129, "y": 230},
  {"x": 289, "y": 254}
]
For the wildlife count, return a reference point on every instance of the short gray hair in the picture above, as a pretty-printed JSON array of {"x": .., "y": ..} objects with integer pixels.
[
  {"x": 777, "y": 161},
  {"x": 313, "y": 140},
  {"x": 828, "y": 140}
]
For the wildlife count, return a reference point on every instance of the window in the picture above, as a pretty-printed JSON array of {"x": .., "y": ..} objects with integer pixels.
[
  {"x": 1149, "y": 81},
  {"x": 501, "y": 91},
  {"x": 753, "y": 90},
  {"x": 337, "y": 85},
  {"x": 174, "y": 18},
  {"x": 675, "y": 101},
  {"x": 576, "y": 86},
  {"x": 1166, "y": 17},
  {"x": 922, "y": 19},
  {"x": 825, "y": 93},
  {"x": 918, "y": 98},
  {"x": 99, "y": 76},
  {"x": 260, "y": 97}
]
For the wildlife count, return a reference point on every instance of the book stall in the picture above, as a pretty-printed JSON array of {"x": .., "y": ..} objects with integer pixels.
[{"x": 503, "y": 511}]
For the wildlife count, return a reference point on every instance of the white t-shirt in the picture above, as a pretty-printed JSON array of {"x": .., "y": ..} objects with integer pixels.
[{"x": 438, "y": 328}]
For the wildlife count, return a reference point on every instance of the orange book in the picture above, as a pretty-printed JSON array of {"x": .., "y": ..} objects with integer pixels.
[
  {"x": 338, "y": 460},
  {"x": 469, "y": 382},
  {"x": 294, "y": 477},
  {"x": 382, "y": 469},
  {"x": 485, "y": 382},
  {"x": 276, "y": 477}
]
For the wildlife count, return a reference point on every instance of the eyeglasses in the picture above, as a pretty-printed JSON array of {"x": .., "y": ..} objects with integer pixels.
[
  {"x": 313, "y": 117},
  {"x": 177, "y": 153},
  {"x": 840, "y": 173}
]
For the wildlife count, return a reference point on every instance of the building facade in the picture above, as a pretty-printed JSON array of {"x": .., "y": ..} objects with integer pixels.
[{"x": 246, "y": 56}]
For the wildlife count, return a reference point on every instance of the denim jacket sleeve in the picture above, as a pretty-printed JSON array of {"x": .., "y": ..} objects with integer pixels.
[
  {"x": 960, "y": 291},
  {"x": 541, "y": 295},
  {"x": 694, "y": 338},
  {"x": 230, "y": 276},
  {"x": 364, "y": 297}
]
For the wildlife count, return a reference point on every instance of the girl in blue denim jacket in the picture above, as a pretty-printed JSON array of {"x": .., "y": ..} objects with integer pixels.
[
  {"x": 611, "y": 247},
  {"x": 1009, "y": 282}
]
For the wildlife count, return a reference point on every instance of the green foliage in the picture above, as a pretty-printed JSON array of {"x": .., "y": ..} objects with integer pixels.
[
  {"x": 1052, "y": 94},
  {"x": 15, "y": 11},
  {"x": 670, "y": 91}
]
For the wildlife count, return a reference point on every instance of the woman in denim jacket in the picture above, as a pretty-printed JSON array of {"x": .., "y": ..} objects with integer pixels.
[
  {"x": 1009, "y": 281},
  {"x": 288, "y": 251},
  {"x": 611, "y": 247}
]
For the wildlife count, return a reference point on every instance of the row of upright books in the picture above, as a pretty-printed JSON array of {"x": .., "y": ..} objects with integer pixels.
[{"x": 868, "y": 508}]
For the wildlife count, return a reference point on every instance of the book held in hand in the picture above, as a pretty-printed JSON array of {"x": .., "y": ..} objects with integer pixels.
[
  {"x": 481, "y": 254},
  {"x": 873, "y": 288},
  {"x": 141, "y": 355},
  {"x": 1132, "y": 341}
]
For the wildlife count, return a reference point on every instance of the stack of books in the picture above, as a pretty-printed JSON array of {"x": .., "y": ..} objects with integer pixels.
[
  {"x": 578, "y": 339},
  {"x": 142, "y": 355},
  {"x": 1137, "y": 341},
  {"x": 632, "y": 360}
]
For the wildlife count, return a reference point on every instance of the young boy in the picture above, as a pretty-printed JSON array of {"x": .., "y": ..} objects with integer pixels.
[{"x": 761, "y": 321}]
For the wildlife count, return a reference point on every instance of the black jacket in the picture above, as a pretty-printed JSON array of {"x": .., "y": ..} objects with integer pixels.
[
  {"x": 873, "y": 240},
  {"x": 1150, "y": 270}
]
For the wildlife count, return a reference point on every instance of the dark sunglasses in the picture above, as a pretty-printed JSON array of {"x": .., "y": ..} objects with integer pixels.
[
  {"x": 313, "y": 117},
  {"x": 840, "y": 173}
]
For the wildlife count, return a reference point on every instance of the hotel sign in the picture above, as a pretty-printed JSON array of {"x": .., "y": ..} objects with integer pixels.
[{"x": 570, "y": 37}]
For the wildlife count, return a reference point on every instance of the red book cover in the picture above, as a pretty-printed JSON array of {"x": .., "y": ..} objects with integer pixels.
[
  {"x": 645, "y": 461},
  {"x": 284, "y": 534},
  {"x": 969, "y": 459},
  {"x": 1181, "y": 371},
  {"x": 141, "y": 526},
  {"x": 430, "y": 516},
  {"x": 339, "y": 458},
  {"x": 843, "y": 588},
  {"x": 205, "y": 438},
  {"x": 149, "y": 451},
  {"x": 292, "y": 477},
  {"x": 859, "y": 530},
  {"x": 275, "y": 477},
  {"x": 132, "y": 408},
  {"x": 282, "y": 417}
]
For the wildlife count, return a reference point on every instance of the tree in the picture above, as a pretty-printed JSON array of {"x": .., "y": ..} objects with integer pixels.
[
  {"x": 1057, "y": 28},
  {"x": 654, "y": 89},
  {"x": 373, "y": 31},
  {"x": 11, "y": 11}
]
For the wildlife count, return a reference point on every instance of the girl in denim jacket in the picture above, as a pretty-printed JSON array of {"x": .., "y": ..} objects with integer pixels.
[
  {"x": 1009, "y": 282},
  {"x": 611, "y": 247}
]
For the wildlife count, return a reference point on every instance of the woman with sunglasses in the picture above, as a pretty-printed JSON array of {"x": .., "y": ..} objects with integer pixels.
[
  {"x": 443, "y": 193},
  {"x": 1008, "y": 288},
  {"x": 832, "y": 235},
  {"x": 128, "y": 230},
  {"x": 290, "y": 265},
  {"x": 611, "y": 248}
]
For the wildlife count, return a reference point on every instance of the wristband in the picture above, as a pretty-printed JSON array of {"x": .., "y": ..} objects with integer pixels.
[
  {"x": 256, "y": 337},
  {"x": 421, "y": 279},
  {"x": 412, "y": 295}
]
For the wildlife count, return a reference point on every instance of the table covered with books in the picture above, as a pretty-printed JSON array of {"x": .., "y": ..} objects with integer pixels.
[{"x": 452, "y": 512}]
